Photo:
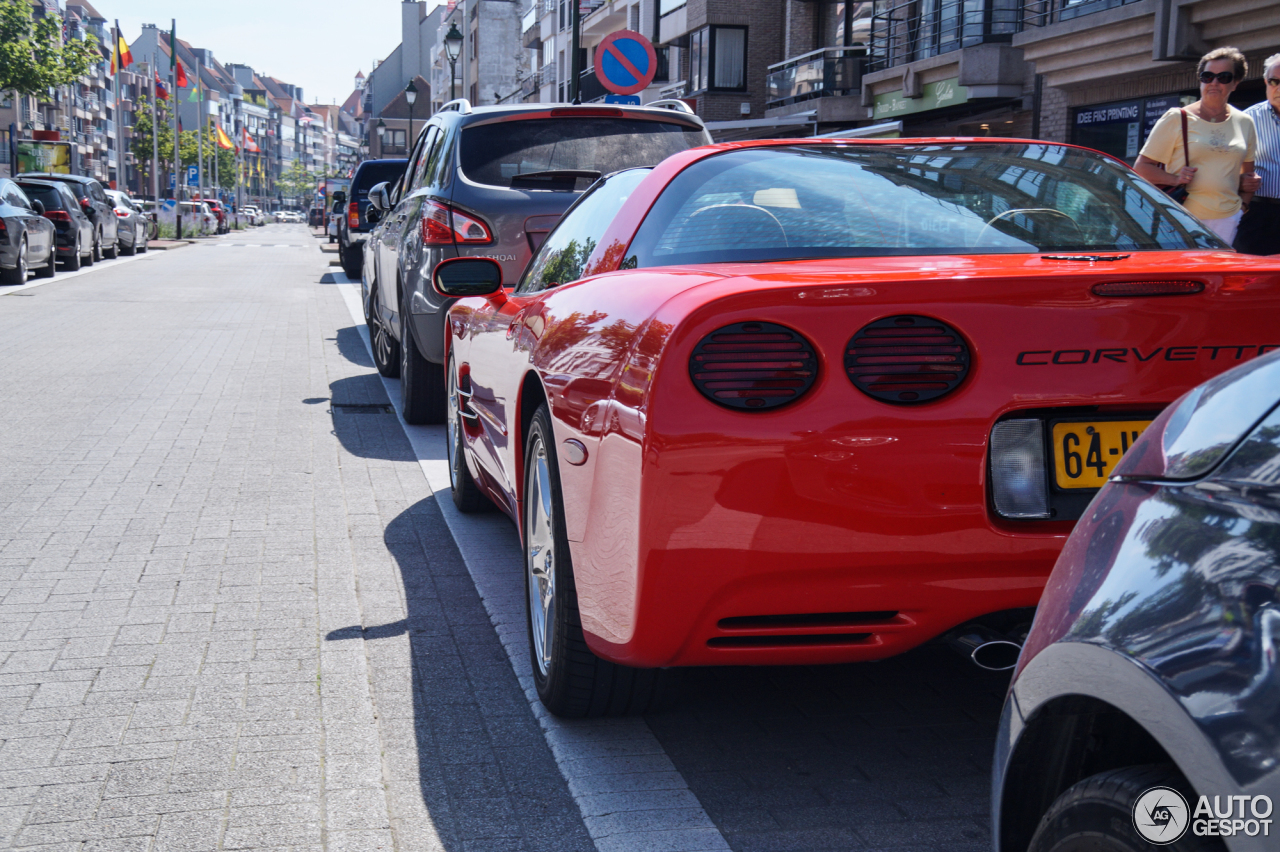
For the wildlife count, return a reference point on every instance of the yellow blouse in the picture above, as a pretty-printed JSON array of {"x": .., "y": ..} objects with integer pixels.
[{"x": 1218, "y": 150}]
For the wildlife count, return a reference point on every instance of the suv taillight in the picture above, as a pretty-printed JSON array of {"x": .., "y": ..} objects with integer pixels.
[
  {"x": 353, "y": 214},
  {"x": 57, "y": 215},
  {"x": 444, "y": 226}
]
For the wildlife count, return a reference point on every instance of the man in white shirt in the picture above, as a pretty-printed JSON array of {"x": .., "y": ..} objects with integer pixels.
[{"x": 1260, "y": 228}]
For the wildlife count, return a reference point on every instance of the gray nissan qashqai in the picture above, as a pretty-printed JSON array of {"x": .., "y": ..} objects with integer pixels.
[{"x": 489, "y": 182}]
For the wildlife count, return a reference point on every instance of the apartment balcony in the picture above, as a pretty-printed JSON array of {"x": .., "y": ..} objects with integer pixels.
[
  {"x": 901, "y": 33},
  {"x": 601, "y": 17},
  {"x": 827, "y": 72},
  {"x": 531, "y": 27},
  {"x": 590, "y": 89}
]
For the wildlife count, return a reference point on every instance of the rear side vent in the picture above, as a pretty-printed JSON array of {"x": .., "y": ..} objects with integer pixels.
[
  {"x": 753, "y": 365},
  {"x": 907, "y": 359}
]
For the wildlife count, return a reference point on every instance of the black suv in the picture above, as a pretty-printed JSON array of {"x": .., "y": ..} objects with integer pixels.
[
  {"x": 93, "y": 200},
  {"x": 354, "y": 224},
  {"x": 489, "y": 182}
]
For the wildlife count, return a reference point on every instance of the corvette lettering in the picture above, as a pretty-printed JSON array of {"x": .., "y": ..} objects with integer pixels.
[{"x": 1067, "y": 357}]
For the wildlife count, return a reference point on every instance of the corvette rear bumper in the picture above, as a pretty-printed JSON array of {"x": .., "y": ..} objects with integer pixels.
[{"x": 772, "y": 607}]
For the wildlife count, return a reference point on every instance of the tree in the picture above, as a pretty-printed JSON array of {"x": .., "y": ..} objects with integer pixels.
[
  {"x": 297, "y": 181},
  {"x": 33, "y": 58},
  {"x": 141, "y": 143}
]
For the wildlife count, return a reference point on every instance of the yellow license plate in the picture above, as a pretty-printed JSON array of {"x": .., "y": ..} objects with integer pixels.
[{"x": 1085, "y": 453}]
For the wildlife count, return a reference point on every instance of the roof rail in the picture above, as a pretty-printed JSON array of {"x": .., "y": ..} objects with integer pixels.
[
  {"x": 461, "y": 105},
  {"x": 674, "y": 104}
]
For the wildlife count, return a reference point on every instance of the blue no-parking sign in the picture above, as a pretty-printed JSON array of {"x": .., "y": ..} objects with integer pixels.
[{"x": 625, "y": 62}]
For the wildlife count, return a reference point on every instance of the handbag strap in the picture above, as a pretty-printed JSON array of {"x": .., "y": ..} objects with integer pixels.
[{"x": 1186, "y": 146}]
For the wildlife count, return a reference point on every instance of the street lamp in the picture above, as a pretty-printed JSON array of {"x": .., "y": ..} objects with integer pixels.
[
  {"x": 410, "y": 95},
  {"x": 453, "y": 49},
  {"x": 381, "y": 129}
]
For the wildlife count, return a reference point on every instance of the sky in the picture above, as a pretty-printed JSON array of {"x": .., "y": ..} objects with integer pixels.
[{"x": 316, "y": 44}]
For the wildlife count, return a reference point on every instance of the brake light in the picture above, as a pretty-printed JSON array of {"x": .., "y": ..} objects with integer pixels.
[
  {"x": 444, "y": 226},
  {"x": 123, "y": 214},
  {"x": 57, "y": 215},
  {"x": 579, "y": 112},
  {"x": 353, "y": 214}
]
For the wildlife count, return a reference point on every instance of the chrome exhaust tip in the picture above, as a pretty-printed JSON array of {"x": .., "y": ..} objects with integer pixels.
[{"x": 986, "y": 648}]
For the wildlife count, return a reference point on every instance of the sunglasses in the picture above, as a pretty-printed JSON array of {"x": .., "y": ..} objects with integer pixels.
[
  {"x": 1223, "y": 77},
  {"x": 1272, "y": 81}
]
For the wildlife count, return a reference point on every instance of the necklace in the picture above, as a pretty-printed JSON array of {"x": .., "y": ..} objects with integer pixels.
[{"x": 1213, "y": 118}]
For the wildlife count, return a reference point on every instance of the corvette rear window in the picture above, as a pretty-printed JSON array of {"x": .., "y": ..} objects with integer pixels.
[
  {"x": 850, "y": 200},
  {"x": 495, "y": 153}
]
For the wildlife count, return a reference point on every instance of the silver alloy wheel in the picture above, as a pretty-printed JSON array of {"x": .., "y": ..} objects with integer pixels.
[
  {"x": 21, "y": 270},
  {"x": 540, "y": 558},
  {"x": 452, "y": 426}
]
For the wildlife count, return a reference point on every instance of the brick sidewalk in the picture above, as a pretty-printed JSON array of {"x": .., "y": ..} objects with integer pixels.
[{"x": 229, "y": 618}]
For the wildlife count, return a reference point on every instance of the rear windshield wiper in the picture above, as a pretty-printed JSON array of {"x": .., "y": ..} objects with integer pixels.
[{"x": 554, "y": 177}]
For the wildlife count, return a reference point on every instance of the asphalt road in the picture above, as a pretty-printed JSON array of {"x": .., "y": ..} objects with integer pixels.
[{"x": 234, "y": 615}]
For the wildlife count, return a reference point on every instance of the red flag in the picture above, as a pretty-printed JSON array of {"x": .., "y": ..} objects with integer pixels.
[{"x": 182, "y": 77}]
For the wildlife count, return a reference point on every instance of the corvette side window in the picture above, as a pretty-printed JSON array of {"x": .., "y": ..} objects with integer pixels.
[{"x": 566, "y": 250}]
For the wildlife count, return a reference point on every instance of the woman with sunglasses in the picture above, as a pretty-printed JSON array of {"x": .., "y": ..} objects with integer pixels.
[{"x": 1218, "y": 169}]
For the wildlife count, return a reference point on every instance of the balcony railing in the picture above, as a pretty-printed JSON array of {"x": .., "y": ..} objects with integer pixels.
[
  {"x": 820, "y": 73},
  {"x": 910, "y": 30},
  {"x": 590, "y": 88}
]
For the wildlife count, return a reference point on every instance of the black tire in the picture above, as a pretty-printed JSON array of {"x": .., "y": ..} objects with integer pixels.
[
  {"x": 92, "y": 256},
  {"x": 352, "y": 261},
  {"x": 114, "y": 251},
  {"x": 72, "y": 263},
  {"x": 17, "y": 275},
  {"x": 131, "y": 249},
  {"x": 1096, "y": 814},
  {"x": 386, "y": 352},
  {"x": 424, "y": 399},
  {"x": 467, "y": 495},
  {"x": 50, "y": 267},
  {"x": 98, "y": 251},
  {"x": 571, "y": 681}
]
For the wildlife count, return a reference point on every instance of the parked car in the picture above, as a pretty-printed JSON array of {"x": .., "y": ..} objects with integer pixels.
[
  {"x": 336, "y": 212},
  {"x": 489, "y": 182},
  {"x": 93, "y": 199},
  {"x": 353, "y": 227},
  {"x": 253, "y": 215},
  {"x": 1152, "y": 662},
  {"x": 219, "y": 213},
  {"x": 73, "y": 229},
  {"x": 131, "y": 223},
  {"x": 26, "y": 237},
  {"x": 806, "y": 401},
  {"x": 198, "y": 219}
]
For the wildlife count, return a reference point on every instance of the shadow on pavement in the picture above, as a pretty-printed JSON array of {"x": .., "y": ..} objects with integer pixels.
[
  {"x": 364, "y": 421},
  {"x": 487, "y": 776},
  {"x": 351, "y": 346},
  {"x": 869, "y": 755}
]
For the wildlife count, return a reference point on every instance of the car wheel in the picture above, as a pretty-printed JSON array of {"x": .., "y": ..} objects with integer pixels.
[
  {"x": 113, "y": 251},
  {"x": 141, "y": 243},
  {"x": 72, "y": 263},
  {"x": 352, "y": 261},
  {"x": 131, "y": 249},
  {"x": 571, "y": 680},
  {"x": 17, "y": 275},
  {"x": 98, "y": 252},
  {"x": 386, "y": 352},
  {"x": 92, "y": 256},
  {"x": 1097, "y": 814},
  {"x": 50, "y": 267},
  {"x": 423, "y": 396},
  {"x": 467, "y": 495}
]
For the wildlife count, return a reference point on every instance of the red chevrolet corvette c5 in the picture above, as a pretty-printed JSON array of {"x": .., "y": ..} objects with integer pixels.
[{"x": 794, "y": 402}]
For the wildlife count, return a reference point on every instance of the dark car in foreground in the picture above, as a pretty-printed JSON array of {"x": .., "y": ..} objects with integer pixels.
[
  {"x": 1145, "y": 712},
  {"x": 26, "y": 236},
  {"x": 72, "y": 228},
  {"x": 97, "y": 206},
  {"x": 355, "y": 225},
  {"x": 489, "y": 182}
]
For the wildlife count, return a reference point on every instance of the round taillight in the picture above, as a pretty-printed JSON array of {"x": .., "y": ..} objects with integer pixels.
[
  {"x": 753, "y": 365},
  {"x": 907, "y": 359}
]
